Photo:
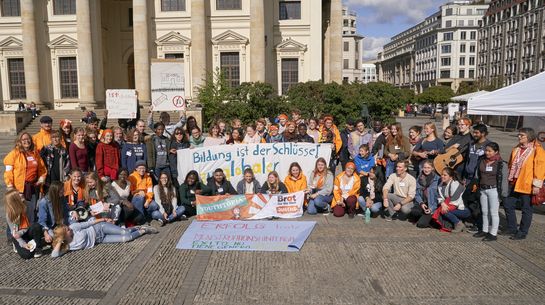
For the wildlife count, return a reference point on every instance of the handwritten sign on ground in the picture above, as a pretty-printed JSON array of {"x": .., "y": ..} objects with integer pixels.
[
  {"x": 257, "y": 206},
  {"x": 261, "y": 158},
  {"x": 121, "y": 103},
  {"x": 235, "y": 235},
  {"x": 167, "y": 85}
]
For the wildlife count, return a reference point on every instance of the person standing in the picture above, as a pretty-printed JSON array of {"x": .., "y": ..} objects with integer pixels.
[
  {"x": 56, "y": 160},
  {"x": 357, "y": 138},
  {"x": 43, "y": 137}
]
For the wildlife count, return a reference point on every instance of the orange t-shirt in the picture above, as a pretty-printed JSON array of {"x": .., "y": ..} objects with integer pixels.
[{"x": 31, "y": 167}]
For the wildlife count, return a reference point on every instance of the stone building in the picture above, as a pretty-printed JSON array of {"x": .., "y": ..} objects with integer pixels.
[
  {"x": 64, "y": 56},
  {"x": 352, "y": 47}
]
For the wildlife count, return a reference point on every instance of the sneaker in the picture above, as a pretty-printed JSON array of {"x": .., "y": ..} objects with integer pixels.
[
  {"x": 149, "y": 230},
  {"x": 351, "y": 216},
  {"x": 395, "y": 216},
  {"x": 490, "y": 237},
  {"x": 459, "y": 227},
  {"x": 480, "y": 234},
  {"x": 472, "y": 230},
  {"x": 183, "y": 217},
  {"x": 14, "y": 249},
  {"x": 387, "y": 217},
  {"x": 163, "y": 222},
  {"x": 38, "y": 253},
  {"x": 506, "y": 233},
  {"x": 156, "y": 223},
  {"x": 517, "y": 237}
]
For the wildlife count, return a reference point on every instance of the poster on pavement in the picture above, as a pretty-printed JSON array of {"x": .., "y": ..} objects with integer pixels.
[
  {"x": 167, "y": 85},
  {"x": 121, "y": 103},
  {"x": 262, "y": 158},
  {"x": 255, "y": 206},
  {"x": 229, "y": 235}
]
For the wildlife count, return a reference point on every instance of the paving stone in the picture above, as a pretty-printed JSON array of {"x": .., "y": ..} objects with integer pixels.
[{"x": 42, "y": 300}]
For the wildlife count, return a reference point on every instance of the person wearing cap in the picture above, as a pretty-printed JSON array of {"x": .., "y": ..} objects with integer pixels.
[
  {"x": 142, "y": 190},
  {"x": 107, "y": 157},
  {"x": 345, "y": 192},
  {"x": 399, "y": 202},
  {"x": 282, "y": 120},
  {"x": 43, "y": 137}
]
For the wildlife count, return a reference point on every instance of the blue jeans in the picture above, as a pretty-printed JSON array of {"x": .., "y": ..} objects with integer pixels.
[
  {"x": 110, "y": 233},
  {"x": 157, "y": 214},
  {"x": 526, "y": 207},
  {"x": 138, "y": 202},
  {"x": 456, "y": 215},
  {"x": 375, "y": 208},
  {"x": 390, "y": 168},
  {"x": 320, "y": 202}
]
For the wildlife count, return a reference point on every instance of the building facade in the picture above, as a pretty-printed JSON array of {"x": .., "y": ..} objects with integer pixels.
[
  {"x": 352, "y": 48},
  {"x": 64, "y": 56},
  {"x": 512, "y": 41},
  {"x": 441, "y": 50},
  {"x": 369, "y": 72}
]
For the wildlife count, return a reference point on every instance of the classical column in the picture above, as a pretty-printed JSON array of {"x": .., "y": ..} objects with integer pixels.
[
  {"x": 30, "y": 52},
  {"x": 85, "y": 55},
  {"x": 141, "y": 52},
  {"x": 335, "y": 41},
  {"x": 198, "y": 44},
  {"x": 257, "y": 41}
]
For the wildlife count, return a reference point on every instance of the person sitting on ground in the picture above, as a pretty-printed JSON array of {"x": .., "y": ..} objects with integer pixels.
[
  {"x": 107, "y": 157},
  {"x": 120, "y": 194},
  {"x": 85, "y": 235},
  {"x": 22, "y": 231},
  {"x": 141, "y": 190},
  {"x": 273, "y": 185},
  {"x": 320, "y": 188},
  {"x": 53, "y": 211},
  {"x": 425, "y": 199},
  {"x": 219, "y": 185},
  {"x": 273, "y": 136},
  {"x": 303, "y": 137},
  {"x": 214, "y": 137},
  {"x": 251, "y": 136},
  {"x": 364, "y": 161},
  {"x": 450, "y": 200},
  {"x": 43, "y": 137},
  {"x": 345, "y": 192},
  {"x": 96, "y": 191},
  {"x": 295, "y": 181},
  {"x": 400, "y": 202},
  {"x": 248, "y": 185},
  {"x": 74, "y": 189},
  {"x": 56, "y": 160},
  {"x": 133, "y": 150},
  {"x": 196, "y": 139},
  {"x": 371, "y": 192},
  {"x": 191, "y": 187},
  {"x": 165, "y": 198}
]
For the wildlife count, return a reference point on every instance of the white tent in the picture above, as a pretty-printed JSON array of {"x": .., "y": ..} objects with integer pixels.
[
  {"x": 525, "y": 98},
  {"x": 466, "y": 97}
]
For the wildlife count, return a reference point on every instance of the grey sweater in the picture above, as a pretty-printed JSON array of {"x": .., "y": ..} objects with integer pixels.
[{"x": 84, "y": 237}]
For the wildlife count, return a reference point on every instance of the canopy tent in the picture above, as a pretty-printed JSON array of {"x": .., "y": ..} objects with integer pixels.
[
  {"x": 524, "y": 98},
  {"x": 466, "y": 97}
]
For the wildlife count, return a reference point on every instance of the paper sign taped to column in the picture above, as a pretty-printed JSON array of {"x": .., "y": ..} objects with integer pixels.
[
  {"x": 168, "y": 85},
  {"x": 121, "y": 103}
]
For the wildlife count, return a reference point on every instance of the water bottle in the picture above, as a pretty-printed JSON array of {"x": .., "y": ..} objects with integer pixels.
[{"x": 367, "y": 215}]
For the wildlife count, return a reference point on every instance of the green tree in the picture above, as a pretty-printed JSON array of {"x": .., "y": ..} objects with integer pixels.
[
  {"x": 467, "y": 87},
  {"x": 436, "y": 95}
]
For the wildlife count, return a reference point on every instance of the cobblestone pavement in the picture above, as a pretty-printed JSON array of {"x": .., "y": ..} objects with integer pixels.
[{"x": 344, "y": 261}]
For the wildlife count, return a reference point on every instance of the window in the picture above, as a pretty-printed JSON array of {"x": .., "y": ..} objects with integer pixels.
[
  {"x": 445, "y": 61},
  {"x": 462, "y": 61},
  {"x": 228, "y": 4},
  {"x": 448, "y": 12},
  {"x": 11, "y": 8},
  {"x": 446, "y": 49},
  {"x": 472, "y": 48},
  {"x": 472, "y": 60},
  {"x": 16, "y": 72},
  {"x": 463, "y": 48},
  {"x": 64, "y": 7},
  {"x": 473, "y": 35},
  {"x": 68, "y": 70},
  {"x": 445, "y": 73},
  {"x": 172, "y": 5},
  {"x": 462, "y": 73},
  {"x": 460, "y": 23},
  {"x": 346, "y": 46},
  {"x": 463, "y": 35},
  {"x": 448, "y": 24},
  {"x": 357, "y": 64},
  {"x": 131, "y": 20},
  {"x": 471, "y": 73},
  {"x": 345, "y": 63},
  {"x": 448, "y": 36},
  {"x": 174, "y": 56},
  {"x": 470, "y": 22},
  {"x": 290, "y": 73},
  {"x": 290, "y": 10},
  {"x": 230, "y": 68}
]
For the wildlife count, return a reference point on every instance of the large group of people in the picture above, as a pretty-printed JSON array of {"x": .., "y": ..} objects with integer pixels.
[{"x": 72, "y": 188}]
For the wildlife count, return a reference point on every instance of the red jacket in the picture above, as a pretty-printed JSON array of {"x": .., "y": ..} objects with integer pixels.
[{"x": 107, "y": 160}]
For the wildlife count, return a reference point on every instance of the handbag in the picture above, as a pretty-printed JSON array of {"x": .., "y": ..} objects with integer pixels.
[{"x": 539, "y": 198}]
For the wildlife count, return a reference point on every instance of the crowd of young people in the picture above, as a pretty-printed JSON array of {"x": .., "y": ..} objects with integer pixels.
[{"x": 56, "y": 178}]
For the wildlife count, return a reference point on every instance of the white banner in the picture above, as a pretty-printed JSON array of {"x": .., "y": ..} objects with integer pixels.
[
  {"x": 261, "y": 158},
  {"x": 282, "y": 206},
  {"x": 121, "y": 103},
  {"x": 168, "y": 85}
]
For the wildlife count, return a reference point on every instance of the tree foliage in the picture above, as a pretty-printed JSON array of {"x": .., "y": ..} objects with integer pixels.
[{"x": 436, "y": 95}]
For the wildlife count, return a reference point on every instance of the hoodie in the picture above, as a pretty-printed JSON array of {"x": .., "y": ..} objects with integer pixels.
[{"x": 364, "y": 163}]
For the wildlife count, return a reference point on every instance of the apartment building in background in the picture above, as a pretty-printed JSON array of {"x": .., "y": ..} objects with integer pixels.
[
  {"x": 352, "y": 48},
  {"x": 64, "y": 54},
  {"x": 441, "y": 50},
  {"x": 511, "y": 42},
  {"x": 369, "y": 72}
]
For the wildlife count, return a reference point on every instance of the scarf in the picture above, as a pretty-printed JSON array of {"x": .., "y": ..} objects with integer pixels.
[
  {"x": 426, "y": 181},
  {"x": 196, "y": 142},
  {"x": 496, "y": 157},
  {"x": 519, "y": 159},
  {"x": 318, "y": 179}
]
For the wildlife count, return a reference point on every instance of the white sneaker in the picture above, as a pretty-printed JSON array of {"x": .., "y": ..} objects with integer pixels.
[{"x": 14, "y": 249}]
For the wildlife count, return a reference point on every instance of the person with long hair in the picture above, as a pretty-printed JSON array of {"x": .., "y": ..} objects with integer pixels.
[
  {"x": 95, "y": 190},
  {"x": 214, "y": 137},
  {"x": 22, "y": 231},
  {"x": 273, "y": 185},
  {"x": 494, "y": 188},
  {"x": 166, "y": 200},
  {"x": 85, "y": 235},
  {"x": 525, "y": 176},
  {"x": 237, "y": 136},
  {"x": 107, "y": 157},
  {"x": 53, "y": 210},
  {"x": 414, "y": 140},
  {"x": 65, "y": 130},
  {"x": 329, "y": 133},
  {"x": 295, "y": 181},
  {"x": 371, "y": 191},
  {"x": 79, "y": 155},
  {"x": 177, "y": 141},
  {"x": 248, "y": 185},
  {"x": 119, "y": 194},
  {"x": 448, "y": 134},
  {"x": 25, "y": 172},
  {"x": 345, "y": 192},
  {"x": 290, "y": 134},
  {"x": 219, "y": 185},
  {"x": 397, "y": 148},
  {"x": 141, "y": 189},
  {"x": 320, "y": 188},
  {"x": 91, "y": 141},
  {"x": 133, "y": 150},
  {"x": 430, "y": 146},
  {"x": 251, "y": 136},
  {"x": 191, "y": 187},
  {"x": 56, "y": 159},
  {"x": 426, "y": 196},
  {"x": 450, "y": 200}
]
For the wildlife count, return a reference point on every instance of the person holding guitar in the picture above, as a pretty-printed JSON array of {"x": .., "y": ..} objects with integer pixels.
[
  {"x": 452, "y": 156},
  {"x": 428, "y": 148}
]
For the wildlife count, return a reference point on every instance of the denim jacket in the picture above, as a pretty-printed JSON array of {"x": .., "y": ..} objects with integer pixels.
[
  {"x": 430, "y": 193},
  {"x": 46, "y": 217}
]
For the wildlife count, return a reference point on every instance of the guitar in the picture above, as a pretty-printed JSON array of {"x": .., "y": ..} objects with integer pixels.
[{"x": 451, "y": 158}]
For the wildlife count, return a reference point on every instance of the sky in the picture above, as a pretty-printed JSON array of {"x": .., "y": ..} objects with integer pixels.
[{"x": 379, "y": 20}]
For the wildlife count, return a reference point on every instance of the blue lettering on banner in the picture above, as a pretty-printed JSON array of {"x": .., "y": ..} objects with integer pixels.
[{"x": 207, "y": 156}]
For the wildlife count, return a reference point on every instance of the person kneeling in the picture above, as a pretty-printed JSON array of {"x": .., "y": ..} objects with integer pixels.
[
  {"x": 400, "y": 202},
  {"x": 168, "y": 209}
]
